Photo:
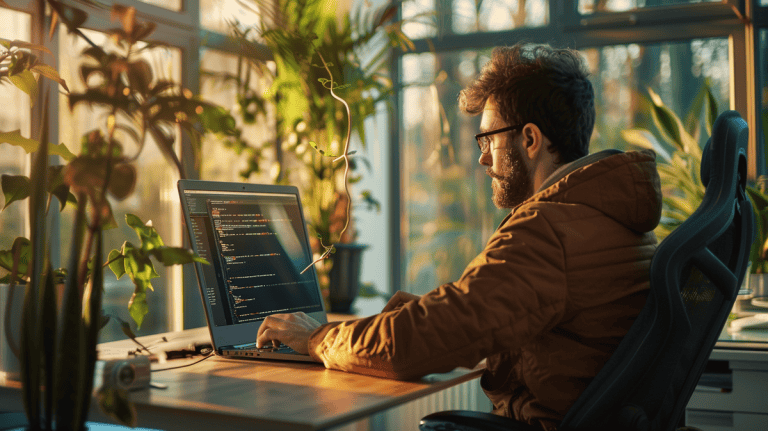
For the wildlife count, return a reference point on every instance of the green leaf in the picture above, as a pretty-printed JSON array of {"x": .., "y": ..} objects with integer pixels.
[
  {"x": 176, "y": 256},
  {"x": 138, "y": 266},
  {"x": 114, "y": 402},
  {"x": 758, "y": 198},
  {"x": 14, "y": 138},
  {"x": 26, "y": 82},
  {"x": 24, "y": 247},
  {"x": 15, "y": 188},
  {"x": 138, "y": 307},
  {"x": 47, "y": 328},
  {"x": 92, "y": 316},
  {"x": 72, "y": 17},
  {"x": 116, "y": 263},
  {"x": 122, "y": 181},
  {"x": 711, "y": 109},
  {"x": 50, "y": 73},
  {"x": 150, "y": 239},
  {"x": 30, "y": 145},
  {"x": 27, "y": 45},
  {"x": 644, "y": 139}
]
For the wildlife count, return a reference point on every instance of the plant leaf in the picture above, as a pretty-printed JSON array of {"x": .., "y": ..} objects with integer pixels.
[
  {"x": 150, "y": 239},
  {"x": 31, "y": 354},
  {"x": 72, "y": 17},
  {"x": 26, "y": 82},
  {"x": 114, "y": 402},
  {"x": 116, "y": 263},
  {"x": 122, "y": 181},
  {"x": 30, "y": 145},
  {"x": 92, "y": 319},
  {"x": 711, "y": 109},
  {"x": 47, "y": 328},
  {"x": 15, "y": 188},
  {"x": 14, "y": 138},
  {"x": 27, "y": 45},
  {"x": 176, "y": 256},
  {"x": 22, "y": 247},
  {"x": 138, "y": 307},
  {"x": 50, "y": 73}
]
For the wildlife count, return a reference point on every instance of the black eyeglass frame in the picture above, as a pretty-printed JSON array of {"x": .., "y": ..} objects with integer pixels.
[{"x": 493, "y": 132}]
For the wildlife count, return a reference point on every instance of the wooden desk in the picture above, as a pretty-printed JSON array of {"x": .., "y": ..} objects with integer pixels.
[{"x": 221, "y": 393}]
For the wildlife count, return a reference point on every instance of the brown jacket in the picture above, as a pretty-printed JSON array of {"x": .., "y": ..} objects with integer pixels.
[{"x": 546, "y": 302}]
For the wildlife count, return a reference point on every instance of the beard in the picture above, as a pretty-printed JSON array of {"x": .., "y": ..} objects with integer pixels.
[{"x": 513, "y": 183}]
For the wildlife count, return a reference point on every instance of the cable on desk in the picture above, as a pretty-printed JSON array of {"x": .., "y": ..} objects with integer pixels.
[{"x": 186, "y": 365}]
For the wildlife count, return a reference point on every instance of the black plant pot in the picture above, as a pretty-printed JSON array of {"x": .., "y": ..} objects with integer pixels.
[{"x": 345, "y": 276}]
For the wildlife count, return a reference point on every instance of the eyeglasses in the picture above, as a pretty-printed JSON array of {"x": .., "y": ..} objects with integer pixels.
[{"x": 484, "y": 139}]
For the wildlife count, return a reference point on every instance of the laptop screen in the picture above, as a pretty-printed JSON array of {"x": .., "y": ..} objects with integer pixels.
[{"x": 257, "y": 246}]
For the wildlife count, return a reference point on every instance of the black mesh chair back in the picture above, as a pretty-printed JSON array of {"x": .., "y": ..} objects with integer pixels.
[{"x": 695, "y": 277}]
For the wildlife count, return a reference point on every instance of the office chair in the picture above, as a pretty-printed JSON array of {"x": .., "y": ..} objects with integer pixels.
[{"x": 695, "y": 277}]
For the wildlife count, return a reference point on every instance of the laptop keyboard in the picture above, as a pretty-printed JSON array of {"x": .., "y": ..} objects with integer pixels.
[
  {"x": 268, "y": 347},
  {"x": 280, "y": 349}
]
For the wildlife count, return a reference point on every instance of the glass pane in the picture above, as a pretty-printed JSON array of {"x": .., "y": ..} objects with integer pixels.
[
  {"x": 215, "y": 14},
  {"x": 675, "y": 71},
  {"x": 424, "y": 17},
  {"x": 591, "y": 6},
  {"x": 154, "y": 198},
  {"x": 448, "y": 213},
  {"x": 13, "y": 160},
  {"x": 167, "y": 4},
  {"x": 471, "y": 16},
  {"x": 420, "y": 19},
  {"x": 220, "y": 162}
]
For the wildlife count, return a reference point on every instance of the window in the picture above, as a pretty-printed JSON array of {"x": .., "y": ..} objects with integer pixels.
[
  {"x": 592, "y": 6},
  {"x": 13, "y": 161},
  {"x": 446, "y": 211},
  {"x": 153, "y": 198},
  {"x": 215, "y": 15},
  {"x": 218, "y": 84},
  {"x": 621, "y": 75}
]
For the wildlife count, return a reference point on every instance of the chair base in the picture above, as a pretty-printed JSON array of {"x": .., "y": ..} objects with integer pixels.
[{"x": 462, "y": 420}]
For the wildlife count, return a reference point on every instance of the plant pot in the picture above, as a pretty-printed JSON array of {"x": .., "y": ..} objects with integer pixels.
[
  {"x": 344, "y": 278},
  {"x": 10, "y": 326}
]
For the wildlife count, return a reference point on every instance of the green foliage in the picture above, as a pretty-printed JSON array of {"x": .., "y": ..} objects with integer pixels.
[
  {"x": 136, "y": 262},
  {"x": 758, "y": 255},
  {"x": 680, "y": 171},
  {"x": 327, "y": 78},
  {"x": 58, "y": 348},
  {"x": 30, "y": 145}
]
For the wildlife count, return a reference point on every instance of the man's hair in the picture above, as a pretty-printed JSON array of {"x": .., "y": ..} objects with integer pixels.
[{"x": 541, "y": 85}]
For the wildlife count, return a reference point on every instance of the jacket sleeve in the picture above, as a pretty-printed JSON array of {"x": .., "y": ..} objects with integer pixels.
[{"x": 513, "y": 291}]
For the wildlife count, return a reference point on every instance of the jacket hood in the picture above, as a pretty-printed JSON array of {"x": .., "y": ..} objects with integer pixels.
[{"x": 623, "y": 186}]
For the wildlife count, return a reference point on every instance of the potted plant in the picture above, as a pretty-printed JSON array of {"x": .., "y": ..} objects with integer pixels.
[
  {"x": 326, "y": 81},
  {"x": 57, "y": 345},
  {"x": 681, "y": 180}
]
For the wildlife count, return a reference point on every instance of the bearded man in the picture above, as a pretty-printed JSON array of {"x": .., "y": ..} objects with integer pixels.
[{"x": 559, "y": 282}]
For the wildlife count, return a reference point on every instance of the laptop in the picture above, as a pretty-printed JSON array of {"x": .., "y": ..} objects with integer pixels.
[{"x": 255, "y": 239}]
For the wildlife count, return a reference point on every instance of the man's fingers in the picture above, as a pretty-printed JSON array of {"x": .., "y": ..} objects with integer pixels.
[{"x": 270, "y": 335}]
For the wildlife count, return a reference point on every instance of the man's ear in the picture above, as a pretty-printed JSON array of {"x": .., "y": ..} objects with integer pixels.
[{"x": 533, "y": 141}]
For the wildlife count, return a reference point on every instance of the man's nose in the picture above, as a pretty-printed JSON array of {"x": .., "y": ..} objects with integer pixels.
[{"x": 485, "y": 159}]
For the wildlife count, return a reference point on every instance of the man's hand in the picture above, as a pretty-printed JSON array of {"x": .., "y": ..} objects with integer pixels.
[{"x": 293, "y": 330}]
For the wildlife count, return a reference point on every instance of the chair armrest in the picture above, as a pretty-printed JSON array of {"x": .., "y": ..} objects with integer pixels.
[{"x": 464, "y": 420}]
